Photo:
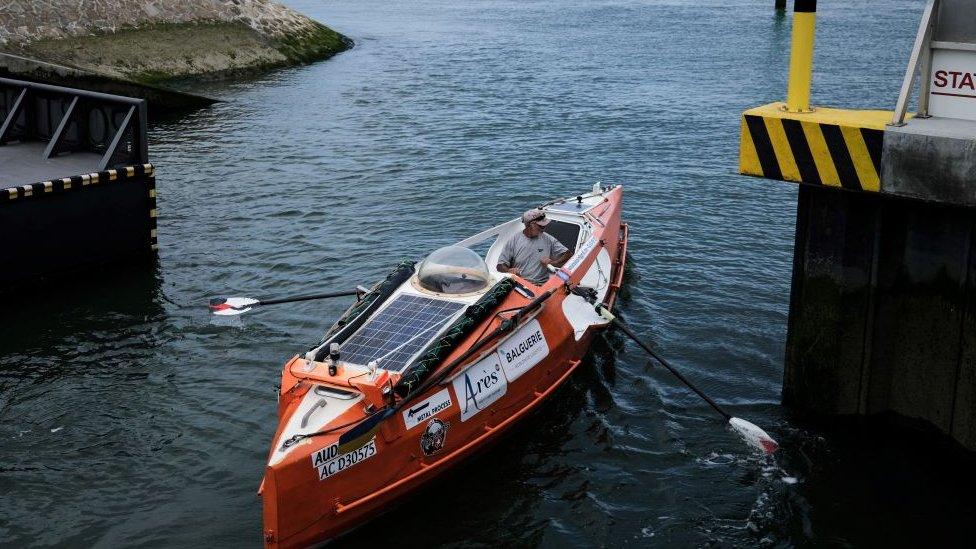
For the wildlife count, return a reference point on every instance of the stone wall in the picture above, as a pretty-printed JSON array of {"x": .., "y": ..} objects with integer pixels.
[
  {"x": 24, "y": 21},
  {"x": 152, "y": 42}
]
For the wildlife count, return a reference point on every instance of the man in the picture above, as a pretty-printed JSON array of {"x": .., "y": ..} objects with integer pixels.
[{"x": 526, "y": 254}]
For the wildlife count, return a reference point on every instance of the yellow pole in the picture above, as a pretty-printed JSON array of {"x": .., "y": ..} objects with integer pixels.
[{"x": 801, "y": 55}]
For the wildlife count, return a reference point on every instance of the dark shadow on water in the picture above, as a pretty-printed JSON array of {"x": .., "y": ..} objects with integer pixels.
[
  {"x": 115, "y": 301},
  {"x": 876, "y": 481}
]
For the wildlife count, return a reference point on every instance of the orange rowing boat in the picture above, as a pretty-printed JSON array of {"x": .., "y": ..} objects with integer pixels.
[{"x": 430, "y": 365}]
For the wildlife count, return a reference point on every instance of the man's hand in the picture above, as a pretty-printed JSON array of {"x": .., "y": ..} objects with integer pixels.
[
  {"x": 546, "y": 261},
  {"x": 502, "y": 268}
]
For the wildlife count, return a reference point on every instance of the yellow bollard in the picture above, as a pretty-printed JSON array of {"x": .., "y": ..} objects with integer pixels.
[{"x": 801, "y": 55}]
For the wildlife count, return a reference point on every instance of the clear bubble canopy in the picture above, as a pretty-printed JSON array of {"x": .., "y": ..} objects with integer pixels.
[{"x": 453, "y": 270}]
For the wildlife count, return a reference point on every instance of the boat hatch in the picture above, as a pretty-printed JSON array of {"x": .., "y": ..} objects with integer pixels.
[
  {"x": 399, "y": 331},
  {"x": 566, "y": 233},
  {"x": 453, "y": 270}
]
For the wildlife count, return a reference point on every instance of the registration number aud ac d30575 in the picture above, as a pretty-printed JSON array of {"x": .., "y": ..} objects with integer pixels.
[{"x": 347, "y": 460}]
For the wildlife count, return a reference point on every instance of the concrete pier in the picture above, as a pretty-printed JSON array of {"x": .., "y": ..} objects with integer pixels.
[
  {"x": 882, "y": 308},
  {"x": 883, "y": 294},
  {"x": 76, "y": 187}
]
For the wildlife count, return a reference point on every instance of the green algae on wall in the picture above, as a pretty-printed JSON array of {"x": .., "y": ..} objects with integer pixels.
[
  {"x": 155, "y": 53},
  {"x": 312, "y": 44}
]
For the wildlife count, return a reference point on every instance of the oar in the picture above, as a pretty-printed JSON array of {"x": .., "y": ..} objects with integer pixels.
[
  {"x": 228, "y": 306},
  {"x": 750, "y": 432}
]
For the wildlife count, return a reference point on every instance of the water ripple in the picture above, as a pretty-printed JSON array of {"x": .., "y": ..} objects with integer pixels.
[{"x": 130, "y": 419}]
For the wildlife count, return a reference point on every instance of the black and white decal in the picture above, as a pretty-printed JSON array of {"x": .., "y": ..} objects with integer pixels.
[
  {"x": 479, "y": 386},
  {"x": 415, "y": 414},
  {"x": 328, "y": 462},
  {"x": 523, "y": 350},
  {"x": 434, "y": 437}
]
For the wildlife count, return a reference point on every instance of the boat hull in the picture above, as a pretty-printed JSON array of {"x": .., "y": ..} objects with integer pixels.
[{"x": 315, "y": 493}]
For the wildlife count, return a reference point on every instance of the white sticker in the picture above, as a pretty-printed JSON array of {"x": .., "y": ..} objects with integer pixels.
[
  {"x": 480, "y": 385},
  {"x": 580, "y": 255},
  {"x": 415, "y": 414},
  {"x": 519, "y": 353},
  {"x": 952, "y": 90},
  {"x": 343, "y": 462},
  {"x": 325, "y": 454}
]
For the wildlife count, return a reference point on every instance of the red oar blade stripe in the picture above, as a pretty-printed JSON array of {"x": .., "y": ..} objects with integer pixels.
[
  {"x": 232, "y": 305},
  {"x": 769, "y": 445},
  {"x": 755, "y": 436}
]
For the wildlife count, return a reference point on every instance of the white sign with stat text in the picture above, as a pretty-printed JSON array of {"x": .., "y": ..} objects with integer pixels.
[{"x": 952, "y": 92}]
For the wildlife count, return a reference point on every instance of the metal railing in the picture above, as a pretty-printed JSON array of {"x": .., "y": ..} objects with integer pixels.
[
  {"x": 921, "y": 55},
  {"x": 71, "y": 120}
]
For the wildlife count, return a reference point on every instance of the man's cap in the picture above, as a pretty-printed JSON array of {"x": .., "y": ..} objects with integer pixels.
[{"x": 535, "y": 215}]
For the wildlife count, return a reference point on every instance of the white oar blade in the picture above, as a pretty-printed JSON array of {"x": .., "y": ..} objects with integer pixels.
[
  {"x": 753, "y": 435},
  {"x": 231, "y": 306}
]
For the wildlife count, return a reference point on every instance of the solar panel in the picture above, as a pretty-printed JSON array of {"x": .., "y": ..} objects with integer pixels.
[{"x": 399, "y": 330}]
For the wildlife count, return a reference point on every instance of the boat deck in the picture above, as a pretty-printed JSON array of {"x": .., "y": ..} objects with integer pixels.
[{"x": 23, "y": 163}]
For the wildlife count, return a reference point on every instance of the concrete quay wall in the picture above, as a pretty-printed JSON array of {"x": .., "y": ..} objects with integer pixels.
[
  {"x": 77, "y": 225},
  {"x": 32, "y": 20},
  {"x": 152, "y": 41},
  {"x": 882, "y": 309}
]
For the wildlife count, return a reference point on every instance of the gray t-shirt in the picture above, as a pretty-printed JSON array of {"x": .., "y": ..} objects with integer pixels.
[{"x": 525, "y": 254}]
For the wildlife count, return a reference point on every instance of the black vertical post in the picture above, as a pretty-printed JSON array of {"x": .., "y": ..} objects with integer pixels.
[{"x": 781, "y": 4}]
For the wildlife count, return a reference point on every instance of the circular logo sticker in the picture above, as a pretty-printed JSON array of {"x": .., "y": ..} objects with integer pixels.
[{"x": 434, "y": 437}]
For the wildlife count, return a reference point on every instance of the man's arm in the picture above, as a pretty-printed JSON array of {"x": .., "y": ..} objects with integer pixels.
[
  {"x": 506, "y": 258},
  {"x": 560, "y": 253},
  {"x": 562, "y": 259}
]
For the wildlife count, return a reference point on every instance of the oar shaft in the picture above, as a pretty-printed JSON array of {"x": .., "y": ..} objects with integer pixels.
[
  {"x": 626, "y": 329},
  {"x": 306, "y": 297}
]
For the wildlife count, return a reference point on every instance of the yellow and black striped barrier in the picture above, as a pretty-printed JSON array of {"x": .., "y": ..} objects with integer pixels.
[
  {"x": 831, "y": 147},
  {"x": 818, "y": 146},
  {"x": 76, "y": 183},
  {"x": 145, "y": 172}
]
